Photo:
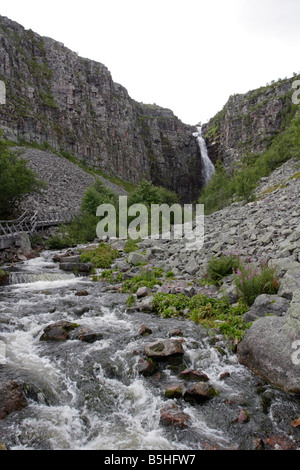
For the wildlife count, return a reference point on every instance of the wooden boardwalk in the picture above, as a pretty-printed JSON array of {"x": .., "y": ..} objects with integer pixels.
[{"x": 10, "y": 230}]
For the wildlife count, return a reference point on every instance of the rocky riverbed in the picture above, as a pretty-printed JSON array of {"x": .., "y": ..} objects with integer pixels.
[
  {"x": 84, "y": 370},
  {"x": 80, "y": 370},
  {"x": 266, "y": 229}
]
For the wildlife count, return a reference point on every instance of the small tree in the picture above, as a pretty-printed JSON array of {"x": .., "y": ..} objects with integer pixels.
[
  {"x": 16, "y": 181},
  {"x": 96, "y": 195}
]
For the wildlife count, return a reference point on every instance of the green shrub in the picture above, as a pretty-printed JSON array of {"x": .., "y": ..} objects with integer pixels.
[
  {"x": 4, "y": 275},
  {"x": 96, "y": 195},
  {"x": 100, "y": 257},
  {"x": 170, "y": 275},
  {"x": 58, "y": 242},
  {"x": 131, "y": 245},
  {"x": 251, "y": 281},
  {"x": 130, "y": 300},
  {"x": 146, "y": 278},
  {"x": 81, "y": 230},
  {"x": 219, "y": 267},
  {"x": 147, "y": 193},
  {"x": 16, "y": 181}
]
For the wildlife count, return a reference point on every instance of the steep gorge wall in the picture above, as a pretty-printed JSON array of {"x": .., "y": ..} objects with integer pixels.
[
  {"x": 248, "y": 122},
  {"x": 56, "y": 98}
]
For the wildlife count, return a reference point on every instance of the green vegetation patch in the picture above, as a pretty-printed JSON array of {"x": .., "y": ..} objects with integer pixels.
[
  {"x": 207, "y": 311},
  {"x": 100, "y": 257},
  {"x": 224, "y": 265},
  {"x": 146, "y": 278},
  {"x": 17, "y": 180},
  {"x": 253, "y": 281},
  {"x": 4, "y": 275}
]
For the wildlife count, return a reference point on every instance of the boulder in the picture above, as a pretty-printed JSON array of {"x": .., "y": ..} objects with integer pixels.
[
  {"x": 164, "y": 349},
  {"x": 269, "y": 349},
  {"x": 146, "y": 367},
  {"x": 192, "y": 267},
  {"x": 145, "y": 304},
  {"x": 84, "y": 268},
  {"x": 191, "y": 374},
  {"x": 290, "y": 283},
  {"x": 12, "y": 398},
  {"x": 176, "y": 332},
  {"x": 58, "y": 331},
  {"x": 24, "y": 243},
  {"x": 122, "y": 265},
  {"x": 172, "y": 415},
  {"x": 143, "y": 292},
  {"x": 81, "y": 293},
  {"x": 136, "y": 258},
  {"x": 158, "y": 250},
  {"x": 85, "y": 335},
  {"x": 243, "y": 417},
  {"x": 200, "y": 393},
  {"x": 174, "y": 391},
  {"x": 144, "y": 330},
  {"x": 267, "y": 305}
]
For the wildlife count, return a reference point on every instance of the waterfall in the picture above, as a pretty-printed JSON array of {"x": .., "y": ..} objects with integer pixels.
[
  {"x": 208, "y": 166},
  {"x": 27, "y": 277}
]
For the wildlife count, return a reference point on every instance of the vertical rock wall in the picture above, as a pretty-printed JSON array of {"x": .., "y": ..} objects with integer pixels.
[{"x": 56, "y": 98}]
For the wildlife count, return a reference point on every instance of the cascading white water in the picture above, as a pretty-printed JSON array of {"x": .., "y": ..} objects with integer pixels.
[
  {"x": 208, "y": 166},
  {"x": 92, "y": 396}
]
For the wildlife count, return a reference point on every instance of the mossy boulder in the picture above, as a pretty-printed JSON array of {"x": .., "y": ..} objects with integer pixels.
[
  {"x": 59, "y": 331},
  {"x": 200, "y": 393}
]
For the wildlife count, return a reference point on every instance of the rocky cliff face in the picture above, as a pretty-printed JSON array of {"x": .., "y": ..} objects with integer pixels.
[
  {"x": 56, "y": 98},
  {"x": 248, "y": 123}
]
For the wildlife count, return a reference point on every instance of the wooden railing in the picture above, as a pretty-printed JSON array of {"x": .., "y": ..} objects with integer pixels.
[{"x": 10, "y": 230}]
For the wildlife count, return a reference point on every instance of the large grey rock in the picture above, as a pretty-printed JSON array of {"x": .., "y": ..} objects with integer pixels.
[
  {"x": 164, "y": 349},
  {"x": 84, "y": 268},
  {"x": 143, "y": 292},
  {"x": 136, "y": 258},
  {"x": 290, "y": 283},
  {"x": 200, "y": 393},
  {"x": 192, "y": 267},
  {"x": 268, "y": 349},
  {"x": 59, "y": 331},
  {"x": 293, "y": 320},
  {"x": 282, "y": 265},
  {"x": 267, "y": 305}
]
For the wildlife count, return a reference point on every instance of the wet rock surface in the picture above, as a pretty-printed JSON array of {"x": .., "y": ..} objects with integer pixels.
[{"x": 11, "y": 398}]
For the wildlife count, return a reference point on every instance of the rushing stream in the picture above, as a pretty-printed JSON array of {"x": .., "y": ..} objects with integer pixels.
[{"x": 92, "y": 396}]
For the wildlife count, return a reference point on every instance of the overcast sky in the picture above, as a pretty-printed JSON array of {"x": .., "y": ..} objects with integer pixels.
[{"x": 187, "y": 56}]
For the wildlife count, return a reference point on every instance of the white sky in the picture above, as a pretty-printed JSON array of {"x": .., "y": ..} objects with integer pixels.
[{"x": 189, "y": 56}]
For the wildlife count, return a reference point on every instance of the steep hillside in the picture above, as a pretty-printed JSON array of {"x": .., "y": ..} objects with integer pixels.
[
  {"x": 248, "y": 123},
  {"x": 64, "y": 188},
  {"x": 56, "y": 98}
]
